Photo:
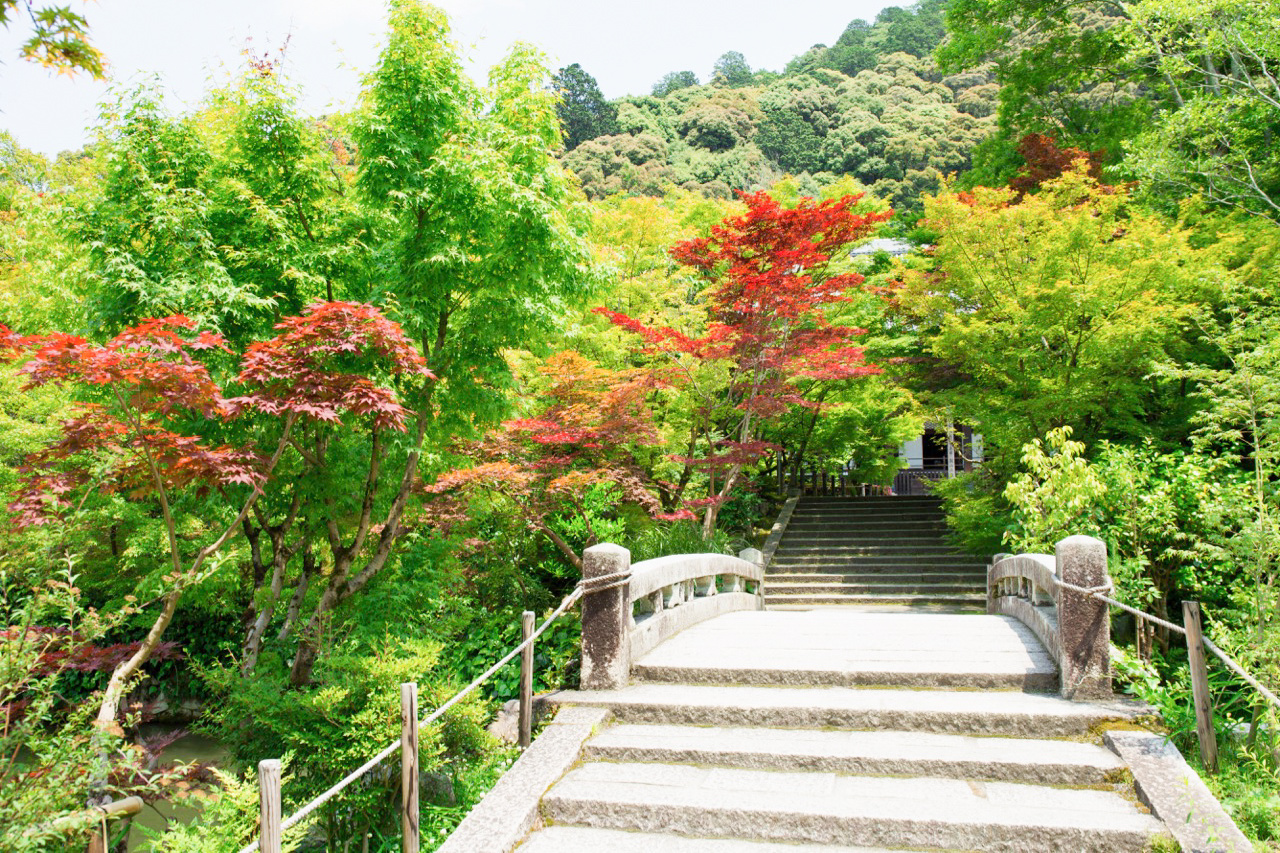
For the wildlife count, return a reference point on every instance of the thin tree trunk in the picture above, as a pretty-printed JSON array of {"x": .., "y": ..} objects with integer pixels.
[
  {"x": 109, "y": 708},
  {"x": 342, "y": 584},
  {"x": 561, "y": 545},
  {"x": 280, "y": 556},
  {"x": 299, "y": 594}
]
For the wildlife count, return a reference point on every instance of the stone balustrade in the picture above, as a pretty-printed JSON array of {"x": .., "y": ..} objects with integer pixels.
[
  {"x": 639, "y": 606},
  {"x": 1073, "y": 626}
]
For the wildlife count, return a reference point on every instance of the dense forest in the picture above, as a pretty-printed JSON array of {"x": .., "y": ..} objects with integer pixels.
[
  {"x": 874, "y": 106},
  {"x": 296, "y": 408}
]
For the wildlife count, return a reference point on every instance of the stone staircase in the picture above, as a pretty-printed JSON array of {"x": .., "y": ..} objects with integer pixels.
[
  {"x": 887, "y": 551},
  {"x": 892, "y": 731}
]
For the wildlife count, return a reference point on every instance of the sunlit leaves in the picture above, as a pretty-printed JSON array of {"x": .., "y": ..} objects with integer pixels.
[
  {"x": 324, "y": 364},
  {"x": 585, "y": 433},
  {"x": 150, "y": 387},
  {"x": 1049, "y": 312},
  {"x": 478, "y": 230},
  {"x": 59, "y": 37}
]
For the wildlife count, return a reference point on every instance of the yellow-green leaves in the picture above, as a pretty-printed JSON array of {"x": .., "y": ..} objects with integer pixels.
[
  {"x": 1051, "y": 310},
  {"x": 1056, "y": 496}
]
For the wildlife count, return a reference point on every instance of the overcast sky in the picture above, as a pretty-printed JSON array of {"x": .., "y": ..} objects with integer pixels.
[{"x": 627, "y": 46}]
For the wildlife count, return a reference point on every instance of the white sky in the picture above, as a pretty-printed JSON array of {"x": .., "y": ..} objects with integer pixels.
[{"x": 627, "y": 47}]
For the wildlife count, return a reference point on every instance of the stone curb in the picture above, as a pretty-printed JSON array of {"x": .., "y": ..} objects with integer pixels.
[
  {"x": 779, "y": 528},
  {"x": 509, "y": 812},
  {"x": 1176, "y": 794}
]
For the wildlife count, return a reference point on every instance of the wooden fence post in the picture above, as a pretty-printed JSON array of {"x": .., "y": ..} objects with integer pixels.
[
  {"x": 410, "y": 832},
  {"x": 269, "y": 805},
  {"x": 1200, "y": 686},
  {"x": 526, "y": 680},
  {"x": 606, "y": 619}
]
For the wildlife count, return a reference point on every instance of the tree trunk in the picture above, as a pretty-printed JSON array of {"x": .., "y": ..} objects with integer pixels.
[
  {"x": 342, "y": 584},
  {"x": 561, "y": 545},
  {"x": 280, "y": 555},
  {"x": 299, "y": 594}
]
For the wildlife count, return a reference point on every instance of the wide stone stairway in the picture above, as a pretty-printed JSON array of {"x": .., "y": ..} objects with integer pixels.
[
  {"x": 871, "y": 551},
  {"x": 838, "y": 730}
]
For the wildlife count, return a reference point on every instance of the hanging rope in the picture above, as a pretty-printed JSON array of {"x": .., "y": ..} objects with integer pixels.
[
  {"x": 584, "y": 586},
  {"x": 1156, "y": 620}
]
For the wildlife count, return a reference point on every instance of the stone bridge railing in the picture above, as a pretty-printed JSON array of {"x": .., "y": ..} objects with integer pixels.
[
  {"x": 627, "y": 610},
  {"x": 1050, "y": 595}
]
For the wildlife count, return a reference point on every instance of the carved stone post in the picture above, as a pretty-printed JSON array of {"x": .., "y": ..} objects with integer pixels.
[
  {"x": 1083, "y": 621},
  {"x": 606, "y": 620},
  {"x": 756, "y": 558},
  {"x": 993, "y": 605}
]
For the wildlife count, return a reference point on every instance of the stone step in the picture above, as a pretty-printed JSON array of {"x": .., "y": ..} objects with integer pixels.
[
  {"x": 941, "y": 556},
  {"x": 887, "y": 606},
  {"x": 876, "y": 573},
  {"x": 826, "y": 532},
  {"x": 883, "y": 753},
  {"x": 918, "y": 528},
  {"x": 782, "y": 595},
  {"x": 882, "y": 574},
  {"x": 869, "y": 504},
  {"x": 858, "y": 565},
  {"x": 874, "y": 576},
  {"x": 821, "y": 500},
  {"x": 830, "y": 648},
  {"x": 855, "y": 540},
  {"x": 886, "y": 518},
  {"x": 813, "y": 525},
  {"x": 864, "y": 504},
  {"x": 784, "y": 601},
  {"x": 924, "y": 671},
  {"x": 855, "y": 566},
  {"x": 585, "y": 839},
  {"x": 860, "y": 549},
  {"x": 849, "y": 581},
  {"x": 1004, "y": 713},
  {"x": 810, "y": 500},
  {"x": 869, "y": 509},
  {"x": 887, "y": 515},
  {"x": 828, "y": 556},
  {"x": 920, "y": 587},
  {"x": 851, "y": 810}
]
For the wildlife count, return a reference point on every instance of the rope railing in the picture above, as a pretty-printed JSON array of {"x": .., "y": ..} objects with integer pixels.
[
  {"x": 591, "y": 585},
  {"x": 1196, "y": 645},
  {"x": 1097, "y": 592},
  {"x": 1230, "y": 662},
  {"x": 1240, "y": 671},
  {"x": 1064, "y": 599}
]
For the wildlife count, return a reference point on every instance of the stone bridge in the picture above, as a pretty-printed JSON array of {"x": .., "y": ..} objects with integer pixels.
[{"x": 706, "y": 723}]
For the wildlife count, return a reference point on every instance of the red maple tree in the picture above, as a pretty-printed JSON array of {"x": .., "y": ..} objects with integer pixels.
[
  {"x": 590, "y": 421},
  {"x": 772, "y": 293},
  {"x": 1046, "y": 161},
  {"x": 147, "y": 400}
]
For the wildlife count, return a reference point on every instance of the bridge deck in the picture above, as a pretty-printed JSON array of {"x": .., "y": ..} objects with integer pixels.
[{"x": 851, "y": 647}]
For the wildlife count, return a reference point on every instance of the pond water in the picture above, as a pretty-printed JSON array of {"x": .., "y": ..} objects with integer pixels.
[{"x": 156, "y": 816}]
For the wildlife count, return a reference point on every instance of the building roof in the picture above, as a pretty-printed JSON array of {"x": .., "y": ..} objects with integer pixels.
[{"x": 892, "y": 247}]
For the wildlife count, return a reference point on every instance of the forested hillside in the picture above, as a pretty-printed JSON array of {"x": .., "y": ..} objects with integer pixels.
[
  {"x": 874, "y": 105},
  {"x": 294, "y": 408}
]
